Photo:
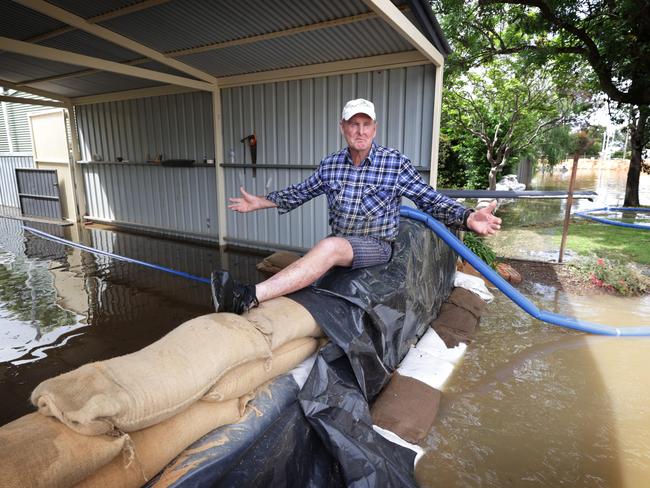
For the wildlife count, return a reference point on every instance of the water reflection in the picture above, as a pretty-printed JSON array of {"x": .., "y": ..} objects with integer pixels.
[{"x": 61, "y": 307}]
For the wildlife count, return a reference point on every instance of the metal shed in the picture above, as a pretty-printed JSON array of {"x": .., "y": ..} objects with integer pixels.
[{"x": 189, "y": 79}]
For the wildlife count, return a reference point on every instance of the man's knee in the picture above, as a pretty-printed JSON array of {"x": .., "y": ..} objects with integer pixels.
[{"x": 336, "y": 249}]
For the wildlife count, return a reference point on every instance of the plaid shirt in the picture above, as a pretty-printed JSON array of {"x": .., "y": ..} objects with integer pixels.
[{"x": 365, "y": 200}]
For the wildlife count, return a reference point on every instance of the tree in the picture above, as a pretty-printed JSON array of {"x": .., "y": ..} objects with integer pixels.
[
  {"x": 506, "y": 109},
  {"x": 553, "y": 146},
  {"x": 611, "y": 37}
]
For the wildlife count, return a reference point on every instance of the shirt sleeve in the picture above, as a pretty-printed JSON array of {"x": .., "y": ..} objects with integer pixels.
[
  {"x": 295, "y": 195},
  {"x": 447, "y": 210}
]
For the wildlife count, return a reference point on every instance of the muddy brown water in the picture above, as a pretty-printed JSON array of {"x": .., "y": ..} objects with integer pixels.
[
  {"x": 61, "y": 307},
  {"x": 531, "y": 404},
  {"x": 537, "y": 405}
]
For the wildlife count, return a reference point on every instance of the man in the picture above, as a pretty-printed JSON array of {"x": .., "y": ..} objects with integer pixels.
[{"x": 363, "y": 184}]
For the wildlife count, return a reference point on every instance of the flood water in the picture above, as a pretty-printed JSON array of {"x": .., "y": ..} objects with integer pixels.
[
  {"x": 61, "y": 307},
  {"x": 541, "y": 406},
  {"x": 529, "y": 225},
  {"x": 535, "y": 405},
  {"x": 531, "y": 405}
]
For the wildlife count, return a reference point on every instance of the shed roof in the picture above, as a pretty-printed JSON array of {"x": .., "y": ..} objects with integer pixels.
[{"x": 198, "y": 40}]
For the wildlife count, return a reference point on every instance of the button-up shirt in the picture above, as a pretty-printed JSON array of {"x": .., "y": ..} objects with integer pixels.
[{"x": 364, "y": 200}]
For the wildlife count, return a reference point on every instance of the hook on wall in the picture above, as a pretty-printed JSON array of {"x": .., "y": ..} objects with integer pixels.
[{"x": 251, "y": 141}]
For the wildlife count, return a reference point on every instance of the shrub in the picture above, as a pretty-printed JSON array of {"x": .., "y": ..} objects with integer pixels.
[
  {"x": 478, "y": 246},
  {"x": 614, "y": 276}
]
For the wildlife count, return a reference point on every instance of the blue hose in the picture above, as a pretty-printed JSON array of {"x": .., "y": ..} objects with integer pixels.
[
  {"x": 50, "y": 237},
  {"x": 508, "y": 290},
  {"x": 451, "y": 240},
  {"x": 585, "y": 215}
]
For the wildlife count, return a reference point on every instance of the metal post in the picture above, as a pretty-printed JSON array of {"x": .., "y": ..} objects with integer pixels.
[
  {"x": 569, "y": 204},
  {"x": 218, "y": 161},
  {"x": 4, "y": 107},
  {"x": 79, "y": 190},
  {"x": 435, "y": 136}
]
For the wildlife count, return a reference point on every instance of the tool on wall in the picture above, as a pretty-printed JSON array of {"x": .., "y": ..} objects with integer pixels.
[{"x": 251, "y": 141}]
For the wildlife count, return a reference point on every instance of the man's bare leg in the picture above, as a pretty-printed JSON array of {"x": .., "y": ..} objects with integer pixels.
[{"x": 330, "y": 252}]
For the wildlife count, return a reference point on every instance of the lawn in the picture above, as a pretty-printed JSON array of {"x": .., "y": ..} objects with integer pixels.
[{"x": 607, "y": 241}]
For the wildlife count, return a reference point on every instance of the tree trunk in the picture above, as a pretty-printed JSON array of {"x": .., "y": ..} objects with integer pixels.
[
  {"x": 637, "y": 139},
  {"x": 493, "y": 178}
]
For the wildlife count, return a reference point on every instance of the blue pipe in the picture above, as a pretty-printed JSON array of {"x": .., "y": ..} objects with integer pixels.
[
  {"x": 508, "y": 290},
  {"x": 585, "y": 215},
  {"x": 451, "y": 240},
  {"x": 45, "y": 235}
]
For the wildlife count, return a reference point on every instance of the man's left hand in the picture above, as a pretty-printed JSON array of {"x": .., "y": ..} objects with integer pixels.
[{"x": 483, "y": 222}]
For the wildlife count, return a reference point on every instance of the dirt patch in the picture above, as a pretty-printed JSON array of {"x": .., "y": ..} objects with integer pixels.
[{"x": 559, "y": 276}]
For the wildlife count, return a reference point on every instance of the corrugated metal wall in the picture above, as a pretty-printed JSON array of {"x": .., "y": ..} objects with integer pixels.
[
  {"x": 176, "y": 126},
  {"x": 296, "y": 123},
  {"x": 8, "y": 188},
  {"x": 178, "y": 200},
  {"x": 14, "y": 124}
]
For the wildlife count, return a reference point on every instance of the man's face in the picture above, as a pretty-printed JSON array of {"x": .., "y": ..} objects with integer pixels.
[{"x": 359, "y": 131}]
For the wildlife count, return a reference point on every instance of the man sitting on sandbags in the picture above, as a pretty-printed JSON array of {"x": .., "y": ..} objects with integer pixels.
[{"x": 364, "y": 184}]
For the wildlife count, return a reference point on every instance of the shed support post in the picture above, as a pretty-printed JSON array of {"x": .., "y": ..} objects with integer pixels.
[
  {"x": 218, "y": 161},
  {"x": 435, "y": 128},
  {"x": 79, "y": 192}
]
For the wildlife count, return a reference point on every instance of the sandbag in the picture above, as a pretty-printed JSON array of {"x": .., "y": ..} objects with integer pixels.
[
  {"x": 453, "y": 337},
  {"x": 457, "y": 318},
  {"x": 247, "y": 377},
  {"x": 468, "y": 300},
  {"x": 143, "y": 388},
  {"x": 277, "y": 262},
  {"x": 282, "y": 320},
  {"x": 406, "y": 407},
  {"x": 39, "y": 451},
  {"x": 156, "y": 446}
]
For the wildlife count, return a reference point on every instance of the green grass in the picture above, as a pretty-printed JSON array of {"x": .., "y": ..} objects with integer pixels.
[{"x": 607, "y": 241}]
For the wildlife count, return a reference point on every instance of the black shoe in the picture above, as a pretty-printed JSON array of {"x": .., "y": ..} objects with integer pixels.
[{"x": 231, "y": 296}]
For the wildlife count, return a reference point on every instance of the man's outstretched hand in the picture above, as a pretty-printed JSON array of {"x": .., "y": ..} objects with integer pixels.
[
  {"x": 248, "y": 202},
  {"x": 483, "y": 222}
]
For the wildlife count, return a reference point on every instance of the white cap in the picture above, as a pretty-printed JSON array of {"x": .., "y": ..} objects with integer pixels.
[{"x": 358, "y": 106}]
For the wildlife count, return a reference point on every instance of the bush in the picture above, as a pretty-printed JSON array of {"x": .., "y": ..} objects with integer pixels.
[
  {"x": 614, "y": 276},
  {"x": 478, "y": 246}
]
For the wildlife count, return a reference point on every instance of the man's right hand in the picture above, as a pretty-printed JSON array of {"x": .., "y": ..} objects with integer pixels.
[{"x": 248, "y": 202}]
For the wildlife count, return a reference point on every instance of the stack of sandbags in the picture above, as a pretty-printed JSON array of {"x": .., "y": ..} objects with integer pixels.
[
  {"x": 408, "y": 405},
  {"x": 404, "y": 412},
  {"x": 276, "y": 262},
  {"x": 154, "y": 447},
  {"x": 140, "y": 389},
  {"x": 39, "y": 451},
  {"x": 145, "y": 404}
]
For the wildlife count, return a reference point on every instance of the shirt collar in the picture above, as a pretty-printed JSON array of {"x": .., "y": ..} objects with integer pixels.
[{"x": 370, "y": 158}]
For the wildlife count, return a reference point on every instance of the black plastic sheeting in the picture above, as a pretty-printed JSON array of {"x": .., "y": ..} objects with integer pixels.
[
  {"x": 372, "y": 317},
  {"x": 322, "y": 436},
  {"x": 273, "y": 445}
]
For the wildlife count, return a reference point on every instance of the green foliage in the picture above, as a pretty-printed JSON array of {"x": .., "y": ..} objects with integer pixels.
[
  {"x": 478, "y": 246},
  {"x": 494, "y": 114},
  {"x": 554, "y": 146},
  {"x": 452, "y": 171},
  {"x": 586, "y": 46},
  {"x": 612, "y": 242},
  {"x": 613, "y": 276}
]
